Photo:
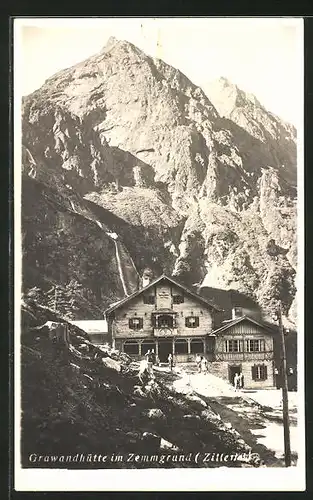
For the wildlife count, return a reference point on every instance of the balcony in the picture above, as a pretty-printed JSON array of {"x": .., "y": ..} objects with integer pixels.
[
  {"x": 244, "y": 356},
  {"x": 164, "y": 332}
]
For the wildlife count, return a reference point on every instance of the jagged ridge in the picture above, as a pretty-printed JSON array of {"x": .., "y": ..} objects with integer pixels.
[{"x": 122, "y": 127}]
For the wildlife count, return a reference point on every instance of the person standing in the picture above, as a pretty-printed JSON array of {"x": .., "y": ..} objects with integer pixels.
[
  {"x": 147, "y": 354},
  {"x": 153, "y": 357},
  {"x": 170, "y": 361},
  {"x": 240, "y": 380},
  {"x": 204, "y": 364},
  {"x": 149, "y": 357},
  {"x": 236, "y": 381}
]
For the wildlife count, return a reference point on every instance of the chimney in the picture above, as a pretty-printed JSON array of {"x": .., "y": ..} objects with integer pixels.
[
  {"x": 147, "y": 277},
  {"x": 236, "y": 312}
]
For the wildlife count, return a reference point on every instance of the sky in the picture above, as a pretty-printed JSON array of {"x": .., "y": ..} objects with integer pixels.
[{"x": 263, "y": 56}]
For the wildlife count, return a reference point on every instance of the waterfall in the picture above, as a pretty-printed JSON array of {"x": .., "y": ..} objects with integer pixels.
[
  {"x": 120, "y": 267},
  {"x": 114, "y": 237}
]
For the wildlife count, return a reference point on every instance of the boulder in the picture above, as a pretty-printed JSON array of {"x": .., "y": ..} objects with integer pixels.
[
  {"x": 139, "y": 392},
  {"x": 155, "y": 413},
  {"x": 196, "y": 399},
  {"x": 111, "y": 363},
  {"x": 151, "y": 439},
  {"x": 210, "y": 415},
  {"x": 192, "y": 417},
  {"x": 167, "y": 445}
]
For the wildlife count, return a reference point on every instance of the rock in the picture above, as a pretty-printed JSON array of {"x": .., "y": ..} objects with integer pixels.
[
  {"x": 139, "y": 392},
  {"x": 155, "y": 413},
  {"x": 192, "y": 417},
  {"x": 196, "y": 399},
  {"x": 210, "y": 415},
  {"x": 151, "y": 439},
  {"x": 167, "y": 445},
  {"x": 111, "y": 363}
]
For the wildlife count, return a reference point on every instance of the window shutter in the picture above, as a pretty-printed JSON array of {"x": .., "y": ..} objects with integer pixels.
[
  {"x": 253, "y": 372},
  {"x": 197, "y": 321},
  {"x": 140, "y": 326},
  {"x": 130, "y": 323},
  {"x": 264, "y": 372},
  {"x": 187, "y": 322}
]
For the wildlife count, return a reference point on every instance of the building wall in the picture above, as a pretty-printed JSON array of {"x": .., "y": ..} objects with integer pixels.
[
  {"x": 220, "y": 360},
  {"x": 242, "y": 332},
  {"x": 245, "y": 331},
  {"x": 164, "y": 299},
  {"x": 220, "y": 369}
]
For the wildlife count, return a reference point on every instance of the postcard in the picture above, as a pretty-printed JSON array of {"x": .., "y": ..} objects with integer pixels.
[{"x": 159, "y": 255}]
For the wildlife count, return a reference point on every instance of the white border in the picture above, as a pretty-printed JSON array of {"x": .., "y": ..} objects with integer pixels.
[{"x": 222, "y": 479}]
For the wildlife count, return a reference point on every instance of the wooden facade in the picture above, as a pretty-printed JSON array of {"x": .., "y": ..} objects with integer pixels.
[
  {"x": 165, "y": 316},
  {"x": 169, "y": 318},
  {"x": 245, "y": 346}
]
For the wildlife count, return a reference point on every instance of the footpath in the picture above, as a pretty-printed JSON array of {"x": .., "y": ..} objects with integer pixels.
[{"x": 256, "y": 415}]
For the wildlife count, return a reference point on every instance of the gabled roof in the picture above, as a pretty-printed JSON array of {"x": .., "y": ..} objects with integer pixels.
[
  {"x": 196, "y": 296},
  {"x": 229, "y": 324}
]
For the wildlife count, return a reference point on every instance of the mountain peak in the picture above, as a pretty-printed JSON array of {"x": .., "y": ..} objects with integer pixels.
[
  {"x": 112, "y": 42},
  {"x": 222, "y": 80},
  {"x": 136, "y": 137}
]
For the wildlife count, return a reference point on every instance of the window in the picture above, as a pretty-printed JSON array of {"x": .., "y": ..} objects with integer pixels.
[
  {"x": 181, "y": 346},
  {"x": 232, "y": 346},
  {"x": 165, "y": 321},
  {"x": 259, "y": 372},
  {"x": 237, "y": 312},
  {"x": 149, "y": 299},
  {"x": 196, "y": 346},
  {"x": 135, "y": 323},
  {"x": 255, "y": 345},
  {"x": 192, "y": 321},
  {"x": 131, "y": 347},
  {"x": 178, "y": 299}
]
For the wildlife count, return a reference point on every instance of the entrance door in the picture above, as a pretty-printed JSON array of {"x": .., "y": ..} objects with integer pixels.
[
  {"x": 146, "y": 345},
  {"x": 232, "y": 369},
  {"x": 165, "y": 348}
]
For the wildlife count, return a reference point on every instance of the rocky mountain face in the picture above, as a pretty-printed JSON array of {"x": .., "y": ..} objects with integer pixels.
[{"x": 198, "y": 186}]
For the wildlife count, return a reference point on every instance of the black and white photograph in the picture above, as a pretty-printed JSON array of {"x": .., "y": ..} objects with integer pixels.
[{"x": 158, "y": 218}]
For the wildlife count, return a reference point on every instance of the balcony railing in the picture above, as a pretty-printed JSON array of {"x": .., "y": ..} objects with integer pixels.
[{"x": 244, "y": 356}]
